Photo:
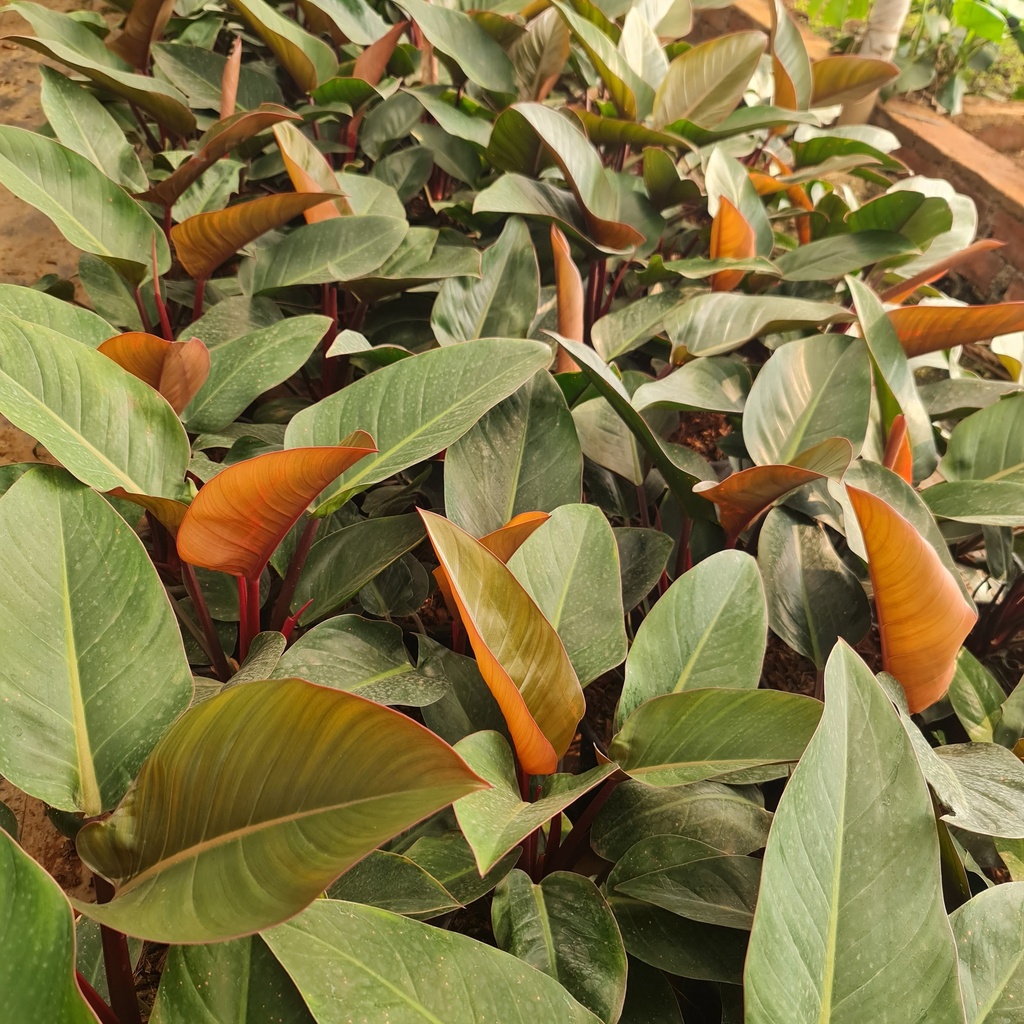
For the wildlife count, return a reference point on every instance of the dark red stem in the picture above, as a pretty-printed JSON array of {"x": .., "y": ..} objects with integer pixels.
[
  {"x": 248, "y": 614},
  {"x": 291, "y": 579},
  {"x": 95, "y": 1000},
  {"x": 289, "y": 624},
  {"x": 118, "y": 964},
  {"x": 197, "y": 302},
  {"x": 566, "y": 854},
  {"x": 220, "y": 661},
  {"x": 141, "y": 307},
  {"x": 165, "y": 320}
]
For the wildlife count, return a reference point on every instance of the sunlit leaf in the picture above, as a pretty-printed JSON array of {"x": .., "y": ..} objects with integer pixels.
[
  {"x": 923, "y": 329},
  {"x": 847, "y": 78},
  {"x": 308, "y": 171},
  {"x": 923, "y": 617},
  {"x": 731, "y": 238},
  {"x": 518, "y": 651},
  {"x": 279, "y": 743},
  {"x": 145, "y": 22},
  {"x": 790, "y": 64},
  {"x": 80, "y": 711},
  {"x": 239, "y": 517}
]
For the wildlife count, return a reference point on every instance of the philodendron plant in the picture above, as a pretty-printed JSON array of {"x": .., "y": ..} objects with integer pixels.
[{"x": 481, "y": 441}]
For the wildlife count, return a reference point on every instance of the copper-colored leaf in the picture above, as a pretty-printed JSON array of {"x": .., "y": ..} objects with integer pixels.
[
  {"x": 239, "y": 517},
  {"x": 229, "y": 80},
  {"x": 518, "y": 652},
  {"x": 898, "y": 456},
  {"x": 309, "y": 171},
  {"x": 177, "y": 369},
  {"x": 223, "y": 137},
  {"x": 848, "y": 77},
  {"x": 205, "y": 241},
  {"x": 569, "y": 288},
  {"x": 765, "y": 184},
  {"x": 902, "y": 291},
  {"x": 168, "y": 512},
  {"x": 371, "y": 64},
  {"x": 732, "y": 237},
  {"x": 744, "y": 496},
  {"x": 923, "y": 616},
  {"x": 143, "y": 26},
  {"x": 924, "y": 329}
]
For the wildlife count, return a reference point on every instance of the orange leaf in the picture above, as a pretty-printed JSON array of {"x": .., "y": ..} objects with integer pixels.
[
  {"x": 219, "y": 140},
  {"x": 924, "y": 329},
  {"x": 848, "y": 77},
  {"x": 518, "y": 652},
  {"x": 145, "y": 24},
  {"x": 731, "y": 238},
  {"x": 902, "y": 291},
  {"x": 765, "y": 184},
  {"x": 371, "y": 64},
  {"x": 309, "y": 171},
  {"x": 205, "y": 241},
  {"x": 238, "y": 519},
  {"x": 177, "y": 369},
  {"x": 897, "y": 456},
  {"x": 923, "y": 616},
  {"x": 743, "y": 497},
  {"x": 569, "y": 288}
]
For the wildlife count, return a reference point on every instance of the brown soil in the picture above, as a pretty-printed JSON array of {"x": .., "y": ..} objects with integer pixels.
[{"x": 701, "y": 432}]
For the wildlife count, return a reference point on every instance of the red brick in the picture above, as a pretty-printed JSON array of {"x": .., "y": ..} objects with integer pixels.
[
  {"x": 983, "y": 269},
  {"x": 1015, "y": 292}
]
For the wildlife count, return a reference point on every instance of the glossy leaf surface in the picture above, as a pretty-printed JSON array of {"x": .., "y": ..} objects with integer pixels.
[
  {"x": 177, "y": 369},
  {"x": 279, "y": 743}
]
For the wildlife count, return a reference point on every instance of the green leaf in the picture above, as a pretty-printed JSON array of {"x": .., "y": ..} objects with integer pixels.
[
  {"x": 80, "y": 710},
  {"x": 89, "y": 955},
  {"x": 720, "y": 816},
  {"x": 643, "y": 555},
  {"x": 808, "y": 391},
  {"x": 679, "y": 738},
  {"x": 709, "y": 629},
  {"x": 83, "y": 124},
  {"x": 564, "y": 928},
  {"x": 990, "y": 947},
  {"x": 813, "y": 598},
  {"x": 690, "y": 949},
  {"x": 358, "y": 21},
  {"x": 343, "y": 561},
  {"x": 416, "y": 407},
  {"x": 894, "y": 379},
  {"x": 570, "y": 567},
  {"x": 913, "y": 214},
  {"x": 198, "y": 74},
  {"x": 406, "y": 972},
  {"x": 726, "y": 178},
  {"x": 830, "y": 258},
  {"x": 467, "y": 706},
  {"x": 496, "y": 820},
  {"x": 364, "y": 657},
  {"x": 459, "y": 37},
  {"x": 715, "y": 384},
  {"x": 37, "y": 968},
  {"x": 35, "y": 307},
  {"x": 525, "y": 132},
  {"x": 502, "y": 301},
  {"x": 88, "y": 209},
  {"x": 394, "y": 883},
  {"x": 522, "y": 456},
  {"x": 162, "y": 101},
  {"x": 244, "y": 367},
  {"x": 976, "y": 696},
  {"x": 650, "y": 998},
  {"x": 988, "y": 445},
  {"x": 126, "y": 435},
  {"x": 854, "y": 833},
  {"x": 278, "y": 744},
  {"x": 714, "y": 890},
  {"x": 309, "y": 60},
  {"x": 717, "y": 322},
  {"x": 705, "y": 84},
  {"x": 238, "y": 981},
  {"x": 633, "y": 325},
  {"x": 449, "y": 860},
  {"x": 987, "y": 502}
]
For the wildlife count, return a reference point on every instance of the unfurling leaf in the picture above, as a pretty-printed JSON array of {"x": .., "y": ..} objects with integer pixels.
[
  {"x": 245, "y": 511},
  {"x": 519, "y": 654},
  {"x": 309, "y": 171},
  {"x": 898, "y": 456},
  {"x": 569, "y": 289},
  {"x": 923, "y": 616},
  {"x": 143, "y": 26},
  {"x": 177, "y": 369}
]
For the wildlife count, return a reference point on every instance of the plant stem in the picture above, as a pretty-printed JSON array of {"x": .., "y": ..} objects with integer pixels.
[
  {"x": 565, "y": 855},
  {"x": 554, "y": 838},
  {"x": 291, "y": 580},
  {"x": 154, "y": 146},
  {"x": 248, "y": 614},
  {"x": 95, "y": 1000},
  {"x": 197, "y": 302},
  {"x": 141, "y": 307},
  {"x": 165, "y": 320},
  {"x": 289, "y": 624},
  {"x": 118, "y": 965},
  {"x": 220, "y": 661}
]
